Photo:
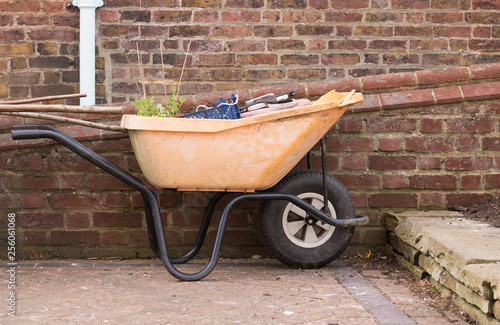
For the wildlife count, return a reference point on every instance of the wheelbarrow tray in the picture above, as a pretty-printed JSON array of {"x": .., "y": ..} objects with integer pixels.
[{"x": 242, "y": 155}]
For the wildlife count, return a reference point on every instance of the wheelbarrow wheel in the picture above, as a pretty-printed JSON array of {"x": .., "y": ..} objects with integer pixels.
[{"x": 289, "y": 232}]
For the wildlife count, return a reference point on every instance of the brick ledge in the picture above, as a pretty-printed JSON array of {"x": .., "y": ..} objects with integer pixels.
[{"x": 474, "y": 89}]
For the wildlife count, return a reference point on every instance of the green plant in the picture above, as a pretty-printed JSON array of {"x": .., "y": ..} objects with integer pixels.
[
  {"x": 147, "y": 106},
  {"x": 173, "y": 103}
]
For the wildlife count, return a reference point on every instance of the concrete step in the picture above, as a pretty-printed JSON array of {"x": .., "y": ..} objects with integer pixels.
[{"x": 461, "y": 256}]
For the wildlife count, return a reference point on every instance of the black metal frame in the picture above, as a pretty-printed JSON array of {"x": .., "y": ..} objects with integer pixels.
[{"x": 152, "y": 209}]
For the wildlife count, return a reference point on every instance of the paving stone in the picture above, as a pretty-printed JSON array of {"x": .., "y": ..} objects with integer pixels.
[
  {"x": 452, "y": 242},
  {"x": 484, "y": 279},
  {"x": 473, "y": 298}
]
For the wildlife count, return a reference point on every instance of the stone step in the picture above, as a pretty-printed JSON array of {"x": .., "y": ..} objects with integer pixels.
[{"x": 460, "y": 255}]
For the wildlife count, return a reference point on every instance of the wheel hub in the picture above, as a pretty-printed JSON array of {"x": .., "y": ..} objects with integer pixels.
[{"x": 302, "y": 228}]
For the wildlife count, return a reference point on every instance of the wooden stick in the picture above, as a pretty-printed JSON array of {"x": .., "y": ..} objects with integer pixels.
[
  {"x": 61, "y": 108},
  {"x": 42, "y": 99},
  {"x": 115, "y": 128}
]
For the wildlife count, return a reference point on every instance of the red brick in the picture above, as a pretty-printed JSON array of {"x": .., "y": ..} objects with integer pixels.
[
  {"x": 294, "y": 59},
  {"x": 433, "y": 182},
  {"x": 8, "y": 201},
  {"x": 471, "y": 125},
  {"x": 245, "y": 3},
  {"x": 395, "y": 181},
  {"x": 340, "y": 59},
  {"x": 379, "y": 162},
  {"x": 117, "y": 200},
  {"x": 351, "y": 124},
  {"x": 69, "y": 181},
  {"x": 386, "y": 45},
  {"x": 382, "y": 124},
  {"x": 266, "y": 31},
  {"x": 241, "y": 237},
  {"x": 491, "y": 144},
  {"x": 205, "y": 16},
  {"x": 481, "y": 31},
  {"x": 426, "y": 77},
  {"x": 407, "y": 99},
  {"x": 232, "y": 31},
  {"x": 442, "y": 31},
  {"x": 348, "y": 45},
  {"x": 108, "y": 15},
  {"x": 389, "y": 144},
  {"x": 29, "y": 162},
  {"x": 78, "y": 220},
  {"x": 481, "y": 91},
  {"x": 112, "y": 219},
  {"x": 369, "y": 103},
  {"x": 451, "y": 4},
  {"x": 431, "y": 199},
  {"x": 364, "y": 181},
  {"x": 492, "y": 180},
  {"x": 470, "y": 181},
  {"x": 428, "y": 125},
  {"x": 403, "y": 200},
  {"x": 360, "y": 199},
  {"x": 436, "y": 44},
  {"x": 317, "y": 88},
  {"x": 393, "y": 80},
  {"x": 464, "y": 199},
  {"x": 40, "y": 182},
  {"x": 106, "y": 182},
  {"x": 245, "y": 45},
  {"x": 69, "y": 238},
  {"x": 354, "y": 162},
  {"x": 485, "y": 71},
  {"x": 140, "y": 238},
  {"x": 343, "y": 17},
  {"x": 318, "y": 4},
  {"x": 429, "y": 162},
  {"x": 76, "y": 201},
  {"x": 445, "y": 17},
  {"x": 358, "y": 144},
  {"x": 114, "y": 238},
  {"x": 429, "y": 144},
  {"x": 34, "y": 238},
  {"x": 482, "y": 4},
  {"x": 241, "y": 16},
  {"x": 467, "y": 144},
  {"x": 350, "y": 4},
  {"x": 287, "y": 4},
  {"x": 484, "y": 45},
  {"x": 468, "y": 163},
  {"x": 40, "y": 220},
  {"x": 34, "y": 200},
  {"x": 447, "y": 95}
]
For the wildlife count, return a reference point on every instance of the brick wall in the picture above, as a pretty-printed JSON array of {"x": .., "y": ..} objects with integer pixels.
[
  {"x": 420, "y": 140},
  {"x": 38, "y": 49},
  {"x": 239, "y": 44}
]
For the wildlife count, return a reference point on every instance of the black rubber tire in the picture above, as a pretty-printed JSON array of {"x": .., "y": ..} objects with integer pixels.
[{"x": 272, "y": 223}]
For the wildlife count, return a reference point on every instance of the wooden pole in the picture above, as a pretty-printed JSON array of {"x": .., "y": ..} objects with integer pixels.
[
  {"x": 61, "y": 108},
  {"x": 115, "y": 128},
  {"x": 42, "y": 99}
]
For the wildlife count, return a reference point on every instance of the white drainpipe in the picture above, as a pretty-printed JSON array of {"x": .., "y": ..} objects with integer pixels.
[{"x": 87, "y": 48}]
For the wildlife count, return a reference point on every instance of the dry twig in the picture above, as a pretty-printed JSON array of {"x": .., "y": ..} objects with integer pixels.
[{"x": 115, "y": 128}]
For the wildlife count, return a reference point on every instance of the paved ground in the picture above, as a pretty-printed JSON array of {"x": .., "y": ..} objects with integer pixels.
[{"x": 237, "y": 292}]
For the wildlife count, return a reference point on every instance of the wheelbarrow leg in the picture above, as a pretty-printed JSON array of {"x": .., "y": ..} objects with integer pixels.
[
  {"x": 207, "y": 217},
  {"x": 151, "y": 202}
]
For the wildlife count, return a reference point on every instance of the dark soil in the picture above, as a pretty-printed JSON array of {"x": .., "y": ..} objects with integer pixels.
[{"x": 485, "y": 212}]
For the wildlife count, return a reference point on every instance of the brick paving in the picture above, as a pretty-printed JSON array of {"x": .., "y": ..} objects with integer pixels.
[{"x": 246, "y": 292}]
